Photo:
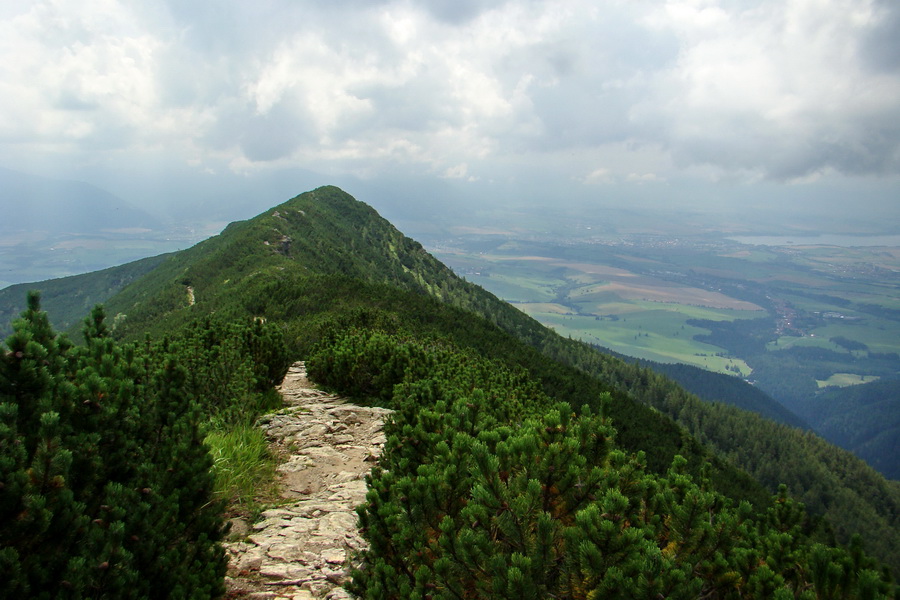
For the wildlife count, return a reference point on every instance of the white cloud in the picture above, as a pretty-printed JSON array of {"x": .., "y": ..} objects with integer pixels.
[
  {"x": 456, "y": 172},
  {"x": 784, "y": 90},
  {"x": 645, "y": 178},
  {"x": 777, "y": 88},
  {"x": 599, "y": 175}
]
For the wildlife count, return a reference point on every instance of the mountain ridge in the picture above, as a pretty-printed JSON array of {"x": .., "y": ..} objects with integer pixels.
[
  {"x": 63, "y": 206},
  {"x": 323, "y": 259}
]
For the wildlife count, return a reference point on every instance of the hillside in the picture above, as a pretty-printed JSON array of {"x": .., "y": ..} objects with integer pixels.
[
  {"x": 324, "y": 256},
  {"x": 716, "y": 387},
  {"x": 68, "y": 299},
  {"x": 864, "y": 419},
  {"x": 324, "y": 262}
]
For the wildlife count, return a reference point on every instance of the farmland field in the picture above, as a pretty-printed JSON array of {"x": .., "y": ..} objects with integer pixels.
[
  {"x": 684, "y": 300},
  {"x": 801, "y": 323}
]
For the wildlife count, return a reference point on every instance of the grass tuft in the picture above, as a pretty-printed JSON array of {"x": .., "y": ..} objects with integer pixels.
[{"x": 243, "y": 465}]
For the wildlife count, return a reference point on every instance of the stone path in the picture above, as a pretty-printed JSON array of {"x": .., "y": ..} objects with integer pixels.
[{"x": 301, "y": 549}]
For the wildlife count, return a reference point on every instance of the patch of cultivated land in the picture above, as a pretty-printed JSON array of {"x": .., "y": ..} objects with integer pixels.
[
  {"x": 660, "y": 335},
  {"x": 846, "y": 379},
  {"x": 659, "y": 291},
  {"x": 640, "y": 316},
  {"x": 639, "y": 297}
]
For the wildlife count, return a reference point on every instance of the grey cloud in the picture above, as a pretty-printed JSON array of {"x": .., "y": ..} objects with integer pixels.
[
  {"x": 267, "y": 137},
  {"x": 414, "y": 106},
  {"x": 231, "y": 29},
  {"x": 588, "y": 80},
  {"x": 457, "y": 12},
  {"x": 234, "y": 28},
  {"x": 274, "y": 135},
  {"x": 783, "y": 156},
  {"x": 188, "y": 78},
  {"x": 69, "y": 99},
  {"x": 880, "y": 47},
  {"x": 803, "y": 106}
]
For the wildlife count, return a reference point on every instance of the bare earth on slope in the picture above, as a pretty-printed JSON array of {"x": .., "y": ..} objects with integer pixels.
[{"x": 301, "y": 549}]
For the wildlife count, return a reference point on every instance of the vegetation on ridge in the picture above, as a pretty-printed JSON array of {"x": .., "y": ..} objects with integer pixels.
[
  {"x": 106, "y": 484},
  {"x": 488, "y": 489},
  {"x": 106, "y": 487},
  {"x": 323, "y": 264}
]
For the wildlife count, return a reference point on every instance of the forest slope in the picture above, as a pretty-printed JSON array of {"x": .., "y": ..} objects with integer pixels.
[
  {"x": 68, "y": 299},
  {"x": 324, "y": 260},
  {"x": 864, "y": 419}
]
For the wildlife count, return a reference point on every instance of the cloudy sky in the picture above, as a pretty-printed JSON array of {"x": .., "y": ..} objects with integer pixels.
[{"x": 715, "y": 101}]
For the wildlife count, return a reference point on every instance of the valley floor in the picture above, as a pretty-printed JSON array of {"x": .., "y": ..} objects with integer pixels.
[{"x": 302, "y": 549}]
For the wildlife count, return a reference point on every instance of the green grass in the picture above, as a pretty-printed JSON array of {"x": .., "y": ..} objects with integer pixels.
[
  {"x": 845, "y": 380},
  {"x": 514, "y": 288},
  {"x": 655, "y": 334},
  {"x": 562, "y": 292},
  {"x": 885, "y": 298},
  {"x": 878, "y": 334},
  {"x": 243, "y": 466},
  {"x": 570, "y": 301},
  {"x": 788, "y": 341}
]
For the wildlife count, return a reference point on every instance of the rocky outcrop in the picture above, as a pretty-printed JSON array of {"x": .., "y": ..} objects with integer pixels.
[{"x": 302, "y": 549}]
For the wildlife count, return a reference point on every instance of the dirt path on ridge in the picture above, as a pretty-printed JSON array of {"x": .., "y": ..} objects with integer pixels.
[{"x": 299, "y": 551}]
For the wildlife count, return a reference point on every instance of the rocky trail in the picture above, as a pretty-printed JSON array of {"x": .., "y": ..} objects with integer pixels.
[{"x": 301, "y": 549}]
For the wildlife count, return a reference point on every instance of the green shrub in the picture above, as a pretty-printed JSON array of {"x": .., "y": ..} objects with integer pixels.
[
  {"x": 105, "y": 484},
  {"x": 487, "y": 489},
  {"x": 232, "y": 367}
]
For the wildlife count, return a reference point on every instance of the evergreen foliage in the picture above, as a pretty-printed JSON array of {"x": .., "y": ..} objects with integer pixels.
[
  {"x": 851, "y": 495},
  {"x": 323, "y": 262},
  {"x": 105, "y": 478},
  {"x": 232, "y": 366},
  {"x": 344, "y": 261},
  {"x": 718, "y": 387},
  {"x": 488, "y": 489},
  {"x": 863, "y": 419}
]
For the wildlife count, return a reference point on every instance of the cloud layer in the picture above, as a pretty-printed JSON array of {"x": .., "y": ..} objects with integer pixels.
[{"x": 595, "y": 92}]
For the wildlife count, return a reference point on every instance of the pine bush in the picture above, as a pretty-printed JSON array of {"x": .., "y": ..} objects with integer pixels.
[{"x": 105, "y": 484}]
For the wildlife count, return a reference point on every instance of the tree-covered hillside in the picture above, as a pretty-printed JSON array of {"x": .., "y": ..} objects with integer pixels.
[
  {"x": 489, "y": 489},
  {"x": 717, "y": 387},
  {"x": 68, "y": 299},
  {"x": 864, "y": 419},
  {"x": 323, "y": 263}
]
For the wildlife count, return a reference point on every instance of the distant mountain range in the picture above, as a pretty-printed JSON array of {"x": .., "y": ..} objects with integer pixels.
[
  {"x": 55, "y": 228},
  {"x": 29, "y": 202}
]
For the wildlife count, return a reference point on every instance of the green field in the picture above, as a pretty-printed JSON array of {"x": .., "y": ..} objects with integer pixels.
[
  {"x": 642, "y": 299},
  {"x": 653, "y": 334},
  {"x": 636, "y": 315},
  {"x": 846, "y": 379}
]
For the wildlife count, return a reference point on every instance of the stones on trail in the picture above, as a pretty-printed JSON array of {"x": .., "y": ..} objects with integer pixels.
[{"x": 301, "y": 550}]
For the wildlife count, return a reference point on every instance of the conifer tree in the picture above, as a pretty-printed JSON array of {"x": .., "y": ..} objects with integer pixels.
[
  {"x": 488, "y": 489},
  {"x": 104, "y": 480}
]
